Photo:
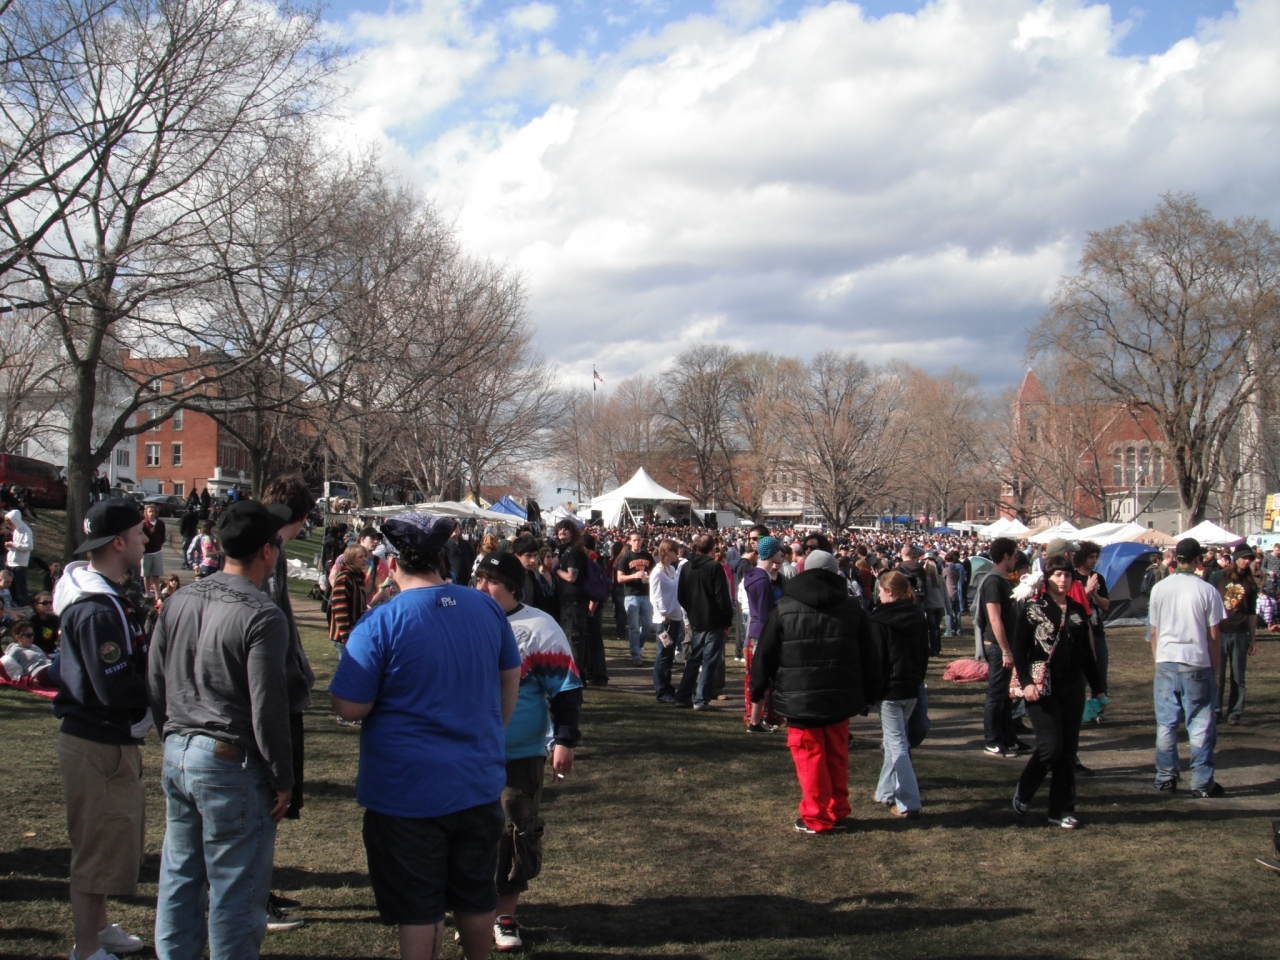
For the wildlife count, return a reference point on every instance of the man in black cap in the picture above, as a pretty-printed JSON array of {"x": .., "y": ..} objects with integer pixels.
[
  {"x": 218, "y": 683},
  {"x": 1185, "y": 612},
  {"x": 105, "y": 712}
]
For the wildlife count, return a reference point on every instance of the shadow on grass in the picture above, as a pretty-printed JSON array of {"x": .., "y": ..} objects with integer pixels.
[{"x": 661, "y": 920}]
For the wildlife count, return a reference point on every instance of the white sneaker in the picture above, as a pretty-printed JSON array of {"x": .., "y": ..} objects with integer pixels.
[
  {"x": 100, "y": 955},
  {"x": 506, "y": 934},
  {"x": 112, "y": 938}
]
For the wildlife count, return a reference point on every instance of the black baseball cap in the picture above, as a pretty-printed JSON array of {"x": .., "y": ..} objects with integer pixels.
[
  {"x": 247, "y": 525},
  {"x": 106, "y": 520},
  {"x": 504, "y": 565},
  {"x": 1188, "y": 548}
]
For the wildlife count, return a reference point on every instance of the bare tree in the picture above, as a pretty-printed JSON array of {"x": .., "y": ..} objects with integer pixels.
[
  {"x": 196, "y": 93},
  {"x": 580, "y": 444},
  {"x": 943, "y": 442},
  {"x": 1176, "y": 315},
  {"x": 32, "y": 374},
  {"x": 631, "y": 429},
  {"x": 763, "y": 383},
  {"x": 845, "y": 437},
  {"x": 695, "y": 408}
]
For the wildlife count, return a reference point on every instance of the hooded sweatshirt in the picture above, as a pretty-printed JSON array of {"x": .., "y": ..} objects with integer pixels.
[
  {"x": 703, "y": 592},
  {"x": 762, "y": 593},
  {"x": 101, "y": 667},
  {"x": 902, "y": 636},
  {"x": 20, "y": 544}
]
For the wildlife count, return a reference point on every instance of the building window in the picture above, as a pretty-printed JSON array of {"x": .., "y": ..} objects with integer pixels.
[
  {"x": 982, "y": 511},
  {"x": 153, "y": 454},
  {"x": 177, "y": 454},
  {"x": 1117, "y": 469},
  {"x": 179, "y": 489},
  {"x": 1144, "y": 466},
  {"x": 1130, "y": 466},
  {"x": 122, "y": 457},
  {"x": 176, "y": 420},
  {"x": 1157, "y": 469}
]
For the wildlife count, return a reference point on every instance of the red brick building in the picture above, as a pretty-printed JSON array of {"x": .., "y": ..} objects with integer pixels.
[{"x": 190, "y": 450}]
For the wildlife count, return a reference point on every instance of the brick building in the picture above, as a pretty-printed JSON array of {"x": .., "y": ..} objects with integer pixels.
[{"x": 190, "y": 450}]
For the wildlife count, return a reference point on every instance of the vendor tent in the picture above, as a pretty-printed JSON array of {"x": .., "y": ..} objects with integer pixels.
[
  {"x": 1104, "y": 533},
  {"x": 641, "y": 493},
  {"x": 1006, "y": 527},
  {"x": 1062, "y": 531},
  {"x": 562, "y": 513},
  {"x": 1211, "y": 535},
  {"x": 507, "y": 505},
  {"x": 1122, "y": 566}
]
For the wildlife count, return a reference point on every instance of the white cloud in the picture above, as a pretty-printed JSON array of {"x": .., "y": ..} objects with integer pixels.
[
  {"x": 533, "y": 17},
  {"x": 917, "y": 182}
]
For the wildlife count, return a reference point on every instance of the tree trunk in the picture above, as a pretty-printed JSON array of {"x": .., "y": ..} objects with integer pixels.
[{"x": 80, "y": 462}]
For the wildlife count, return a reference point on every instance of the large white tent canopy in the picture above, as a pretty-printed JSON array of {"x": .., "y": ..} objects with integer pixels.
[
  {"x": 1005, "y": 527},
  {"x": 1061, "y": 531},
  {"x": 630, "y": 500},
  {"x": 1211, "y": 535}
]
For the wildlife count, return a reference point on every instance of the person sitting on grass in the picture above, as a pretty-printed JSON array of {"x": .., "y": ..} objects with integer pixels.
[
  {"x": 23, "y": 660},
  {"x": 550, "y": 698},
  {"x": 46, "y": 624}
]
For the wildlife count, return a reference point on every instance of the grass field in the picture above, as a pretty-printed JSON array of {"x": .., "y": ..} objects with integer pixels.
[{"x": 673, "y": 838}]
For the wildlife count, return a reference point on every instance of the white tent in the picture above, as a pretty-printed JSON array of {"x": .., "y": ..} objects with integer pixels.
[
  {"x": 560, "y": 513},
  {"x": 1105, "y": 533},
  {"x": 1005, "y": 527},
  {"x": 1061, "y": 531},
  {"x": 629, "y": 501},
  {"x": 1211, "y": 535}
]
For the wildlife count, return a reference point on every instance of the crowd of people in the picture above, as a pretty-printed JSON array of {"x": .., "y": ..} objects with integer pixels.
[{"x": 463, "y": 661}]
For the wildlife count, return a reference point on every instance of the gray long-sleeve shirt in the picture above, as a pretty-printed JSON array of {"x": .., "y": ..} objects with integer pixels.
[{"x": 217, "y": 669}]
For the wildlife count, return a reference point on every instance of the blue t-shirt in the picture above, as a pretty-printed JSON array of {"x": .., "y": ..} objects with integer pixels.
[{"x": 428, "y": 661}]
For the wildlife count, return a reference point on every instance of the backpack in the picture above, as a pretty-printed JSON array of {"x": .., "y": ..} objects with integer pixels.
[
  {"x": 919, "y": 582},
  {"x": 596, "y": 583}
]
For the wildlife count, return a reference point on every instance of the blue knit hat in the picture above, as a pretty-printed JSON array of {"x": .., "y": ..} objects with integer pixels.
[{"x": 766, "y": 547}]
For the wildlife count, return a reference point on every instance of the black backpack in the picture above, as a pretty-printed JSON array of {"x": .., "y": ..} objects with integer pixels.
[{"x": 919, "y": 582}]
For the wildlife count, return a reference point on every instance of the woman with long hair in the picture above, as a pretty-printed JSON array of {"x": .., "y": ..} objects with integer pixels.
[
  {"x": 1052, "y": 655},
  {"x": 668, "y": 618},
  {"x": 903, "y": 636},
  {"x": 348, "y": 599},
  {"x": 1239, "y": 630},
  {"x": 546, "y": 571},
  {"x": 488, "y": 544}
]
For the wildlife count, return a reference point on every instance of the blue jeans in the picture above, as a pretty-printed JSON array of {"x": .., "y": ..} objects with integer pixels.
[
  {"x": 997, "y": 719},
  {"x": 664, "y": 658},
  {"x": 219, "y": 844},
  {"x": 1185, "y": 694},
  {"x": 639, "y": 621},
  {"x": 954, "y": 610},
  {"x": 706, "y": 652},
  {"x": 1235, "y": 657},
  {"x": 897, "y": 777}
]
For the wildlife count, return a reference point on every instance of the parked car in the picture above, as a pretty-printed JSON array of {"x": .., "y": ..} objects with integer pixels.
[
  {"x": 167, "y": 505},
  {"x": 124, "y": 494},
  {"x": 44, "y": 480}
]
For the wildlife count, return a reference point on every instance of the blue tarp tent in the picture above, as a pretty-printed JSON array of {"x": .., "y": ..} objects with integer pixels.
[
  {"x": 509, "y": 506},
  {"x": 1122, "y": 566},
  {"x": 943, "y": 530}
]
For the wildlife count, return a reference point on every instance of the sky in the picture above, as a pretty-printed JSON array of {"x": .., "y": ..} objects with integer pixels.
[{"x": 907, "y": 180}]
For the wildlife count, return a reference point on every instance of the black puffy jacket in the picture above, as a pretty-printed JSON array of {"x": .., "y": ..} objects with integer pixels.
[
  {"x": 818, "y": 651},
  {"x": 902, "y": 638}
]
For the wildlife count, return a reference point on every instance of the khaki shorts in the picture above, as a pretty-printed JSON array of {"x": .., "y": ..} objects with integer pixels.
[
  {"x": 153, "y": 564},
  {"x": 106, "y": 814},
  {"x": 520, "y": 850}
]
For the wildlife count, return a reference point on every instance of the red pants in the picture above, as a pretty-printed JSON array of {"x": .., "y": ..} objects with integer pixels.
[
  {"x": 769, "y": 716},
  {"x": 821, "y": 755}
]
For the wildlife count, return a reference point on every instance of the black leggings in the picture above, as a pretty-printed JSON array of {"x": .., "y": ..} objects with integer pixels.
[{"x": 1056, "y": 721}]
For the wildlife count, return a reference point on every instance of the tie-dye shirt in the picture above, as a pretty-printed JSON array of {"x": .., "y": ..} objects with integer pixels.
[{"x": 547, "y": 671}]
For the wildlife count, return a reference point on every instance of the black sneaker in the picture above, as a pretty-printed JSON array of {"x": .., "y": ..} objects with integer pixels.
[
  {"x": 278, "y": 920},
  {"x": 757, "y": 728},
  {"x": 1167, "y": 786},
  {"x": 1066, "y": 822},
  {"x": 1081, "y": 768},
  {"x": 1018, "y": 806},
  {"x": 284, "y": 904},
  {"x": 683, "y": 704},
  {"x": 1210, "y": 793},
  {"x": 993, "y": 750},
  {"x": 801, "y": 827},
  {"x": 1020, "y": 746}
]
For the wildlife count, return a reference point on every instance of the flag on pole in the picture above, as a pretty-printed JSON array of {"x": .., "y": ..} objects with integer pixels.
[{"x": 595, "y": 377}]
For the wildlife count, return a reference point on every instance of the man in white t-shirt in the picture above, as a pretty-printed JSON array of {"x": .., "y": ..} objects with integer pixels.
[{"x": 1184, "y": 613}]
